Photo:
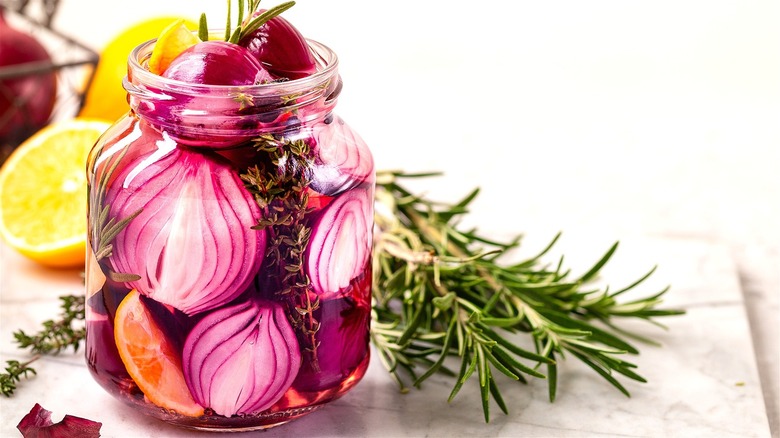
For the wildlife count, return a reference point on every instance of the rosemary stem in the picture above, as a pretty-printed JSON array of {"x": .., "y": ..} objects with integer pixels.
[{"x": 435, "y": 235}]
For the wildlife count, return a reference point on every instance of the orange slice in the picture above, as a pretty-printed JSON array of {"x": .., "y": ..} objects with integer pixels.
[
  {"x": 150, "y": 358},
  {"x": 173, "y": 40},
  {"x": 43, "y": 193}
]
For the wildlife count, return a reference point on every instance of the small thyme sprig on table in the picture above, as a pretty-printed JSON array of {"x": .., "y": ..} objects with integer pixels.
[
  {"x": 15, "y": 371},
  {"x": 440, "y": 294},
  {"x": 59, "y": 334},
  {"x": 56, "y": 335}
]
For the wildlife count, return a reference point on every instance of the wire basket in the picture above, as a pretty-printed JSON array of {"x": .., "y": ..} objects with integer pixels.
[{"x": 72, "y": 62}]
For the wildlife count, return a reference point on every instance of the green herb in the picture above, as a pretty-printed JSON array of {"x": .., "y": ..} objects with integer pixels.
[
  {"x": 57, "y": 335},
  {"x": 15, "y": 371},
  {"x": 441, "y": 292},
  {"x": 247, "y": 21},
  {"x": 280, "y": 187}
]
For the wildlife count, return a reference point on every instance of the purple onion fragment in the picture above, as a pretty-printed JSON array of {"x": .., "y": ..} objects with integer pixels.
[
  {"x": 242, "y": 358},
  {"x": 191, "y": 242},
  {"x": 37, "y": 424},
  {"x": 340, "y": 243}
]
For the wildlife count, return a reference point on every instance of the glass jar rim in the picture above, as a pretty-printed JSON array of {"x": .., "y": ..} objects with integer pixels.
[{"x": 324, "y": 57}]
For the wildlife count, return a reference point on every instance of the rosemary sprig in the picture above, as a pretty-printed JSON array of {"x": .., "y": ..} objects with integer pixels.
[
  {"x": 441, "y": 293},
  {"x": 247, "y": 21}
]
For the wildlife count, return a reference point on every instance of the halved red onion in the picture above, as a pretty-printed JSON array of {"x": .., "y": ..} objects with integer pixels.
[
  {"x": 241, "y": 359},
  {"x": 340, "y": 242},
  {"x": 191, "y": 244},
  {"x": 343, "y": 158}
]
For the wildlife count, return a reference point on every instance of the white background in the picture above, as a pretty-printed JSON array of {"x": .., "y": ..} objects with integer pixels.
[{"x": 657, "y": 117}]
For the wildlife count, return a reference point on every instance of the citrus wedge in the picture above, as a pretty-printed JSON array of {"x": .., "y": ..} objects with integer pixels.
[
  {"x": 173, "y": 40},
  {"x": 150, "y": 358},
  {"x": 43, "y": 193}
]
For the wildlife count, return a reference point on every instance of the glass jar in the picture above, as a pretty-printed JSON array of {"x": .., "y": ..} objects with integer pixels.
[{"x": 229, "y": 281}]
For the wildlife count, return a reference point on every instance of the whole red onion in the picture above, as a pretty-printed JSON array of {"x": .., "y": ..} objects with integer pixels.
[
  {"x": 281, "y": 48},
  {"x": 26, "y": 102}
]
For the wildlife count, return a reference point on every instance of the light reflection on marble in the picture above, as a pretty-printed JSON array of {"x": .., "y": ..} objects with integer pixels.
[{"x": 702, "y": 380}]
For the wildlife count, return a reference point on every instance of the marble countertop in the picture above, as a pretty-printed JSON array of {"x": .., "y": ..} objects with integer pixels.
[{"x": 651, "y": 123}]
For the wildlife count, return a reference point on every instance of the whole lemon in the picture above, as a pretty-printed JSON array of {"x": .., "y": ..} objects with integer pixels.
[{"x": 105, "y": 98}]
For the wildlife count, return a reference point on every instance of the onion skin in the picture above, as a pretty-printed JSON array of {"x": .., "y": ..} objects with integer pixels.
[
  {"x": 26, "y": 102},
  {"x": 241, "y": 359},
  {"x": 343, "y": 158},
  {"x": 340, "y": 242},
  {"x": 281, "y": 48},
  {"x": 37, "y": 423},
  {"x": 191, "y": 244}
]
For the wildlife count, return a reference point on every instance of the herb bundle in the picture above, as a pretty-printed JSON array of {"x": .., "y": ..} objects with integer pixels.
[{"x": 443, "y": 293}]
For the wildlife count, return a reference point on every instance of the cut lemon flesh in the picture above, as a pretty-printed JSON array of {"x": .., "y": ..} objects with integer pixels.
[
  {"x": 43, "y": 193},
  {"x": 173, "y": 40}
]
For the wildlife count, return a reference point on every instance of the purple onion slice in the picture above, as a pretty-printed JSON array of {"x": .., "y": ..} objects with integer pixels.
[
  {"x": 191, "y": 242},
  {"x": 242, "y": 358},
  {"x": 340, "y": 243}
]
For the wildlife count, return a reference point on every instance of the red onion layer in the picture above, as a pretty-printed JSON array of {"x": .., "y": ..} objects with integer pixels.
[
  {"x": 242, "y": 358},
  {"x": 192, "y": 242}
]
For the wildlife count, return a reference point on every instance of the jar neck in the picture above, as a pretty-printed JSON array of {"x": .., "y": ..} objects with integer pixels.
[{"x": 194, "y": 111}]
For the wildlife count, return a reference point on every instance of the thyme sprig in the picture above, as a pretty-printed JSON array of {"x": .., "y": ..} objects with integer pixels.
[
  {"x": 60, "y": 334},
  {"x": 55, "y": 336},
  {"x": 280, "y": 188},
  {"x": 15, "y": 371},
  {"x": 443, "y": 293}
]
